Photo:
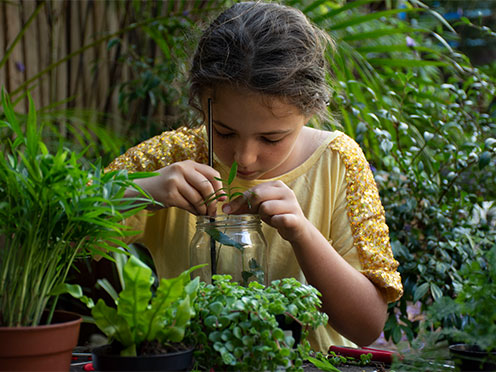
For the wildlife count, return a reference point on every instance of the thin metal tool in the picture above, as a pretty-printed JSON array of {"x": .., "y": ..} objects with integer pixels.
[
  {"x": 210, "y": 133},
  {"x": 211, "y": 163}
]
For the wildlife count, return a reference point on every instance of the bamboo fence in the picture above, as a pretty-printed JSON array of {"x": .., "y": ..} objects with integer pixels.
[{"x": 58, "y": 49}]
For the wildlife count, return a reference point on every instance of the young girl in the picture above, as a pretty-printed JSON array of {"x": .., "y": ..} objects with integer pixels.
[{"x": 263, "y": 67}]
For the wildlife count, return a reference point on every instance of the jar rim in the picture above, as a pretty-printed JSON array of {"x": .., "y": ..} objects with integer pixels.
[{"x": 228, "y": 219}]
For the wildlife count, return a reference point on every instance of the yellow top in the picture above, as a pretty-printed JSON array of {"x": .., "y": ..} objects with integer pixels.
[{"x": 336, "y": 191}]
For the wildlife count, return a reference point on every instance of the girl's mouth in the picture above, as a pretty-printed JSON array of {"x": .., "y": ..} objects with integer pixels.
[{"x": 246, "y": 174}]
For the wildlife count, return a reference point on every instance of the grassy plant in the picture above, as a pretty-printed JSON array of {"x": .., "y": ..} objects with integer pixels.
[{"x": 52, "y": 211}]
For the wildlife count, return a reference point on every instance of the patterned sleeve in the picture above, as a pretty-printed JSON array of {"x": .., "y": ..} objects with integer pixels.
[
  {"x": 367, "y": 220},
  {"x": 153, "y": 154},
  {"x": 162, "y": 150}
]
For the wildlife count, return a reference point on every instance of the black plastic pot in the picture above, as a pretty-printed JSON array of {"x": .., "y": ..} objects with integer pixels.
[
  {"x": 290, "y": 325},
  {"x": 472, "y": 358},
  {"x": 107, "y": 358}
]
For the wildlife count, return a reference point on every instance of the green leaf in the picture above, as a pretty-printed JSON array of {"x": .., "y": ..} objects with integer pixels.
[
  {"x": 74, "y": 290},
  {"x": 134, "y": 299},
  {"x": 107, "y": 286},
  {"x": 420, "y": 291},
  {"x": 323, "y": 365},
  {"x": 408, "y": 63},
  {"x": 347, "y": 6},
  {"x": 437, "y": 293},
  {"x": 112, "y": 324},
  {"x": 222, "y": 238},
  {"x": 12, "y": 121},
  {"x": 32, "y": 137},
  {"x": 484, "y": 159},
  {"x": 356, "y": 20},
  {"x": 232, "y": 173}
]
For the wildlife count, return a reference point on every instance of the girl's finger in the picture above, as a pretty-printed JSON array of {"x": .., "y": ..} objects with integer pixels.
[{"x": 194, "y": 200}]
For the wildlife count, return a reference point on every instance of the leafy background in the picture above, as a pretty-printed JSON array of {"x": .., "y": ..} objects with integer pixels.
[{"x": 414, "y": 84}]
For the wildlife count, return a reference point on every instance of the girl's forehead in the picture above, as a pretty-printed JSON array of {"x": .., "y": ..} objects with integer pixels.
[{"x": 225, "y": 96}]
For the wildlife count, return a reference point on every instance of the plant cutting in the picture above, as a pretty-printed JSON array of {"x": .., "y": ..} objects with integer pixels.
[
  {"x": 52, "y": 211},
  {"x": 145, "y": 327},
  {"x": 246, "y": 261},
  {"x": 236, "y": 327}
]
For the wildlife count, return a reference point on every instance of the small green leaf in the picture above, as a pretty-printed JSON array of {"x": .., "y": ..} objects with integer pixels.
[
  {"x": 484, "y": 159},
  {"x": 420, "y": 291},
  {"x": 215, "y": 307},
  {"x": 436, "y": 291},
  {"x": 222, "y": 238},
  {"x": 232, "y": 173},
  {"x": 74, "y": 290}
]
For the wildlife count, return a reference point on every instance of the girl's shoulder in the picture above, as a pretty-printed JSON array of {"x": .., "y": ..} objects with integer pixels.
[
  {"x": 348, "y": 150},
  {"x": 164, "y": 149}
]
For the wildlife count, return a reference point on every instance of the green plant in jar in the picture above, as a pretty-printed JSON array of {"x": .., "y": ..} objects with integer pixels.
[{"x": 231, "y": 244}]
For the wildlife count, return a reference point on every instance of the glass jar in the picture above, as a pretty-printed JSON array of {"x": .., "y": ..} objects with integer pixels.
[{"x": 230, "y": 244}]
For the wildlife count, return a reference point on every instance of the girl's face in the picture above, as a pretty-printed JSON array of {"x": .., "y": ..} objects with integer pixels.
[{"x": 257, "y": 132}]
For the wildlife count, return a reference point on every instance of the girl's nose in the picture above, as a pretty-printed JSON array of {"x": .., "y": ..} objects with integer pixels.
[{"x": 245, "y": 154}]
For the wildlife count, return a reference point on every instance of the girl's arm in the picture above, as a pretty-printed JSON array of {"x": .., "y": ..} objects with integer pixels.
[{"x": 356, "y": 308}]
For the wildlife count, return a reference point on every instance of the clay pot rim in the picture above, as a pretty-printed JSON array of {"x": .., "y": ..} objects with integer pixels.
[{"x": 66, "y": 318}]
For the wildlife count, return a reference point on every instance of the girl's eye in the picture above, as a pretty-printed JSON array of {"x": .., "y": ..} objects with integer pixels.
[{"x": 271, "y": 141}]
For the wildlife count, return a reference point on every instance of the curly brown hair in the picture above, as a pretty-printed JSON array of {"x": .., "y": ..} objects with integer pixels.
[{"x": 267, "y": 48}]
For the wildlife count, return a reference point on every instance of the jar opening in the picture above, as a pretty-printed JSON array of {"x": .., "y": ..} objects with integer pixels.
[{"x": 223, "y": 220}]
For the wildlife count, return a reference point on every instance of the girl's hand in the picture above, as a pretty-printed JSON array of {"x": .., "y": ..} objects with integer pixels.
[
  {"x": 186, "y": 185},
  {"x": 277, "y": 206}
]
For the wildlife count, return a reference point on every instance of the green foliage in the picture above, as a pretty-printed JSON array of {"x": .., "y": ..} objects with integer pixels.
[
  {"x": 142, "y": 315},
  {"x": 52, "y": 210},
  {"x": 235, "y": 327},
  {"x": 425, "y": 117},
  {"x": 471, "y": 313},
  {"x": 469, "y": 318}
]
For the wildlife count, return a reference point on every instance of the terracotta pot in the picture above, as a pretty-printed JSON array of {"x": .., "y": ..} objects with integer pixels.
[
  {"x": 40, "y": 348},
  {"x": 107, "y": 358},
  {"x": 472, "y": 358}
]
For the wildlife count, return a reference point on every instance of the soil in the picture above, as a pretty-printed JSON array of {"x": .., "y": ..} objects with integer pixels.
[{"x": 155, "y": 347}]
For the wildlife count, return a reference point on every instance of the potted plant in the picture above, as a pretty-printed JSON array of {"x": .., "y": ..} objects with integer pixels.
[
  {"x": 236, "y": 327},
  {"x": 52, "y": 211},
  {"x": 472, "y": 329},
  {"x": 146, "y": 325}
]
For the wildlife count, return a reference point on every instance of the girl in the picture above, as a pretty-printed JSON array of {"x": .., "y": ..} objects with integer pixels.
[{"x": 263, "y": 67}]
